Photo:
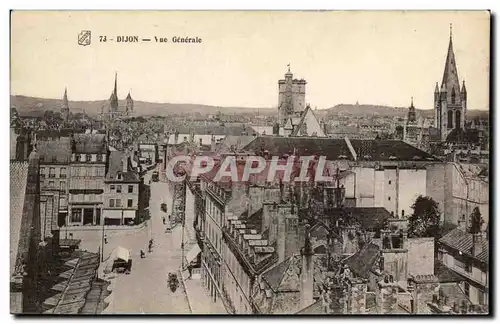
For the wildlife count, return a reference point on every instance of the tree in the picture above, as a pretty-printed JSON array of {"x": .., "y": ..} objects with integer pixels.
[
  {"x": 475, "y": 221},
  {"x": 425, "y": 220}
]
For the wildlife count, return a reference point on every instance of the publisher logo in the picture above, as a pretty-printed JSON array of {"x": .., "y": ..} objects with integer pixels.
[{"x": 84, "y": 38}]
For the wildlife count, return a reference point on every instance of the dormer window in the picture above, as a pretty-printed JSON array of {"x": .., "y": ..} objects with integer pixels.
[
  {"x": 99, "y": 157},
  {"x": 77, "y": 157},
  {"x": 119, "y": 176},
  {"x": 88, "y": 157}
]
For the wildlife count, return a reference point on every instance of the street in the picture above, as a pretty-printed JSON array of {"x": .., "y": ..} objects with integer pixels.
[{"x": 146, "y": 289}]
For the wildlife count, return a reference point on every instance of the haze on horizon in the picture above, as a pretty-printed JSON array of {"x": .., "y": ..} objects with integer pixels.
[{"x": 380, "y": 58}]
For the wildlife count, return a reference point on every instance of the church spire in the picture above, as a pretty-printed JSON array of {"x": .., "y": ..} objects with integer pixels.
[
  {"x": 116, "y": 87},
  {"x": 450, "y": 74},
  {"x": 65, "y": 104}
]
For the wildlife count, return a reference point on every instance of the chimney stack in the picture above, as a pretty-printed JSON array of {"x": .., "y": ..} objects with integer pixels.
[
  {"x": 462, "y": 224},
  {"x": 477, "y": 244},
  {"x": 307, "y": 273},
  {"x": 125, "y": 162},
  {"x": 212, "y": 143}
]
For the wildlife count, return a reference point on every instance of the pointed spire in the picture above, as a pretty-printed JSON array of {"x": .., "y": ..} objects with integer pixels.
[
  {"x": 65, "y": 103},
  {"x": 411, "y": 102},
  {"x": 116, "y": 87},
  {"x": 450, "y": 74},
  {"x": 436, "y": 89},
  {"x": 129, "y": 96},
  {"x": 463, "y": 87}
]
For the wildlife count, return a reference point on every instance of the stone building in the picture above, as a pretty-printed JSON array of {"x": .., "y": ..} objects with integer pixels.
[
  {"x": 87, "y": 173},
  {"x": 295, "y": 118},
  {"x": 121, "y": 191}
]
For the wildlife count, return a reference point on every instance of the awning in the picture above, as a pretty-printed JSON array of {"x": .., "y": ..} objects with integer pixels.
[
  {"x": 193, "y": 253},
  {"x": 120, "y": 253}
]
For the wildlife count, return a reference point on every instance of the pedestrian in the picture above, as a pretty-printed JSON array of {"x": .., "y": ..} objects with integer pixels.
[
  {"x": 190, "y": 269},
  {"x": 105, "y": 239}
]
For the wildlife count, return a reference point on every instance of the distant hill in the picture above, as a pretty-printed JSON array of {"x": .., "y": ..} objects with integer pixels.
[
  {"x": 369, "y": 110},
  {"x": 32, "y": 106}
]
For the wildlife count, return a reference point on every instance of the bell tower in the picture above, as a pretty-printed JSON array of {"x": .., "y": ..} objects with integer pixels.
[{"x": 450, "y": 101}]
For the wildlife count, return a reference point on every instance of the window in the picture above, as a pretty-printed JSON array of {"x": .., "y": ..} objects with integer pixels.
[
  {"x": 62, "y": 186},
  {"x": 51, "y": 184},
  {"x": 111, "y": 187},
  {"x": 88, "y": 157},
  {"x": 111, "y": 203},
  {"x": 130, "y": 188},
  {"x": 52, "y": 172},
  {"x": 63, "y": 173},
  {"x": 130, "y": 202},
  {"x": 389, "y": 198},
  {"x": 42, "y": 172},
  {"x": 118, "y": 202},
  {"x": 390, "y": 181},
  {"x": 78, "y": 157},
  {"x": 83, "y": 172},
  {"x": 468, "y": 267},
  {"x": 76, "y": 215},
  {"x": 99, "y": 157},
  {"x": 119, "y": 188}
]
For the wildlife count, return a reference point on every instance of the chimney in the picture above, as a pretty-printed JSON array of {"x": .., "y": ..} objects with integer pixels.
[
  {"x": 287, "y": 233},
  {"x": 124, "y": 162},
  {"x": 477, "y": 244},
  {"x": 386, "y": 295},
  {"x": 462, "y": 224},
  {"x": 212, "y": 143},
  {"x": 256, "y": 199},
  {"x": 307, "y": 273}
]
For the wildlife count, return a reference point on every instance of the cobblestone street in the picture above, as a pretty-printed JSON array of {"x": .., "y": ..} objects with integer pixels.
[{"x": 145, "y": 289}]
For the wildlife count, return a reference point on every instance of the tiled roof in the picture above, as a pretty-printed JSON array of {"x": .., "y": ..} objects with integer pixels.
[
  {"x": 458, "y": 135},
  {"x": 384, "y": 150},
  {"x": 89, "y": 143},
  {"x": 368, "y": 217},
  {"x": 315, "y": 308},
  {"x": 275, "y": 274},
  {"x": 116, "y": 165},
  {"x": 362, "y": 261},
  {"x": 234, "y": 142},
  {"x": 53, "y": 134},
  {"x": 462, "y": 241},
  {"x": 226, "y": 129},
  {"x": 56, "y": 150},
  {"x": 445, "y": 274},
  {"x": 278, "y": 146},
  {"x": 18, "y": 181}
]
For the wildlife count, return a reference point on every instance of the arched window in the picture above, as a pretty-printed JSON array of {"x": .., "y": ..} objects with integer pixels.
[
  {"x": 450, "y": 119},
  {"x": 458, "y": 116}
]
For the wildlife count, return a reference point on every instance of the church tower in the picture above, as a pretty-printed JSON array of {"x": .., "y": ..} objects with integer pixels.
[
  {"x": 113, "y": 99},
  {"x": 292, "y": 96},
  {"x": 450, "y": 100},
  {"x": 412, "y": 115},
  {"x": 65, "y": 106},
  {"x": 129, "y": 104}
]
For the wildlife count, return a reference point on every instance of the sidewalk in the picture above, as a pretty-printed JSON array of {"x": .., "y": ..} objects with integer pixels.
[{"x": 199, "y": 300}]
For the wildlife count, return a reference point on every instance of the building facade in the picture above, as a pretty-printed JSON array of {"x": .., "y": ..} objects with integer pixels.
[
  {"x": 87, "y": 172},
  {"x": 121, "y": 191}
]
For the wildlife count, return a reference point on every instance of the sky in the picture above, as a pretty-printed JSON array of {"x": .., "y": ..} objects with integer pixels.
[{"x": 381, "y": 58}]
